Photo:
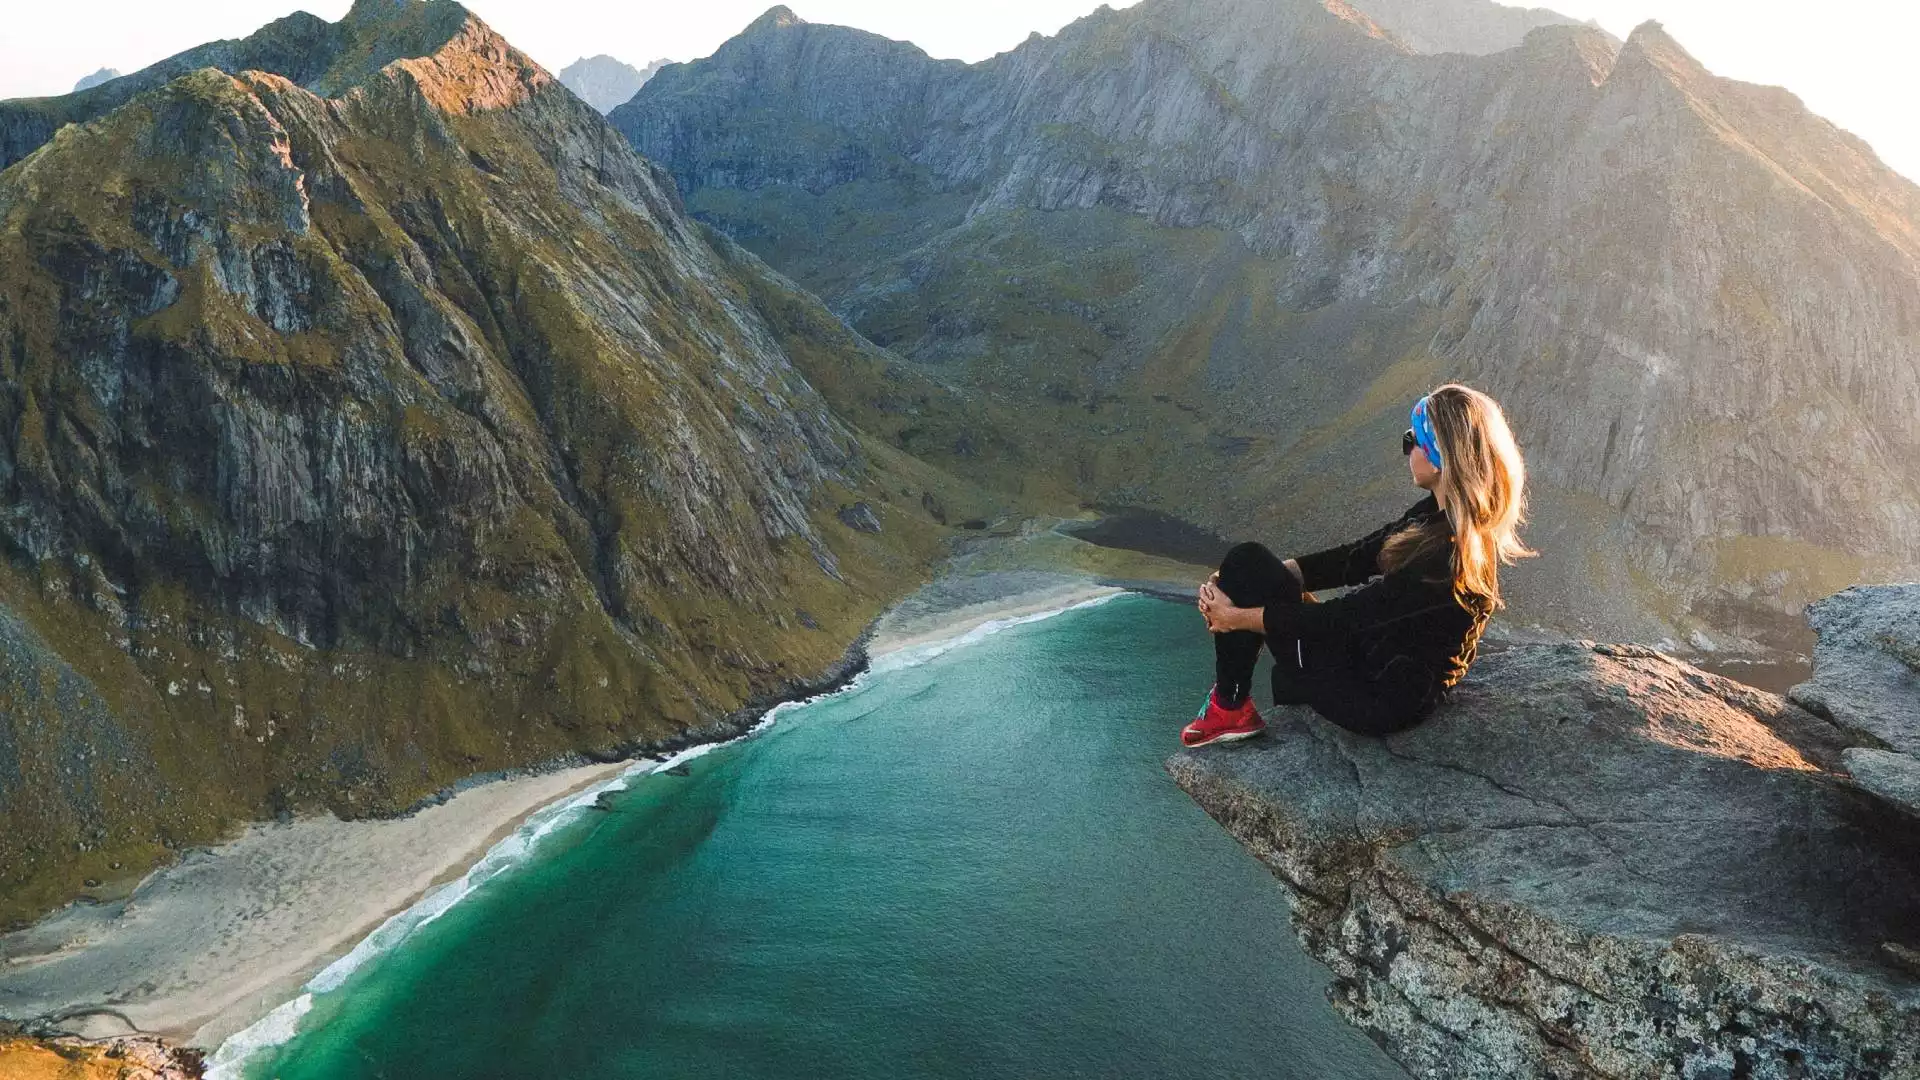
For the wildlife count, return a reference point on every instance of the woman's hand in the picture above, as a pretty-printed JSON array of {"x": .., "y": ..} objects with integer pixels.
[{"x": 1220, "y": 613}]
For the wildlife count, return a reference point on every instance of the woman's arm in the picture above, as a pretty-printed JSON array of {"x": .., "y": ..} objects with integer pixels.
[
  {"x": 1353, "y": 563},
  {"x": 1394, "y": 597}
]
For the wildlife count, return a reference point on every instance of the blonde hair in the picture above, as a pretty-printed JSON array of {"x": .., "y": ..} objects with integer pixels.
[{"x": 1483, "y": 486}]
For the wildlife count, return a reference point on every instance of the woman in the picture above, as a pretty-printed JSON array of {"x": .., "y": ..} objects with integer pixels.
[{"x": 1378, "y": 659}]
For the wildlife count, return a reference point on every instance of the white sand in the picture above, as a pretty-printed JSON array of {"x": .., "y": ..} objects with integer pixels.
[
  {"x": 895, "y": 633},
  {"x": 212, "y": 943}
]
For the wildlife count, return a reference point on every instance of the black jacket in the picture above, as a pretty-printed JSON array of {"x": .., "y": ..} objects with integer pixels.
[{"x": 1403, "y": 634}]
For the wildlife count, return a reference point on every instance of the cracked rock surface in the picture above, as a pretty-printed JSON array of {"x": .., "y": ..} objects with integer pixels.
[
  {"x": 1866, "y": 679},
  {"x": 1594, "y": 860}
]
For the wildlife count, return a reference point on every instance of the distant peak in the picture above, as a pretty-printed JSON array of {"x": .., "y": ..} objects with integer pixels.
[
  {"x": 375, "y": 14},
  {"x": 778, "y": 17},
  {"x": 103, "y": 75}
]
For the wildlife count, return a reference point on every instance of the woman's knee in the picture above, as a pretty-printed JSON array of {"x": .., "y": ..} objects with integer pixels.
[
  {"x": 1250, "y": 561},
  {"x": 1251, "y": 551},
  {"x": 1251, "y": 575}
]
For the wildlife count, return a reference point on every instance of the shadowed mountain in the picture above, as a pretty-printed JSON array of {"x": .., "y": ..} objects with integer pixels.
[
  {"x": 384, "y": 422},
  {"x": 1212, "y": 249}
]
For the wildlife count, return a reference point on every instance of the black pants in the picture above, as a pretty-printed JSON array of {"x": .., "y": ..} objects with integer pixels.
[{"x": 1314, "y": 673}]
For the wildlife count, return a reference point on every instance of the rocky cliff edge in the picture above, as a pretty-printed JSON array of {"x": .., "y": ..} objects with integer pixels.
[{"x": 1598, "y": 861}]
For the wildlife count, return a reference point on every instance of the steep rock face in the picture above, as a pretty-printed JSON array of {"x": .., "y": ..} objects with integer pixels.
[
  {"x": 1593, "y": 861},
  {"x": 1245, "y": 234},
  {"x": 604, "y": 82},
  {"x": 362, "y": 438}
]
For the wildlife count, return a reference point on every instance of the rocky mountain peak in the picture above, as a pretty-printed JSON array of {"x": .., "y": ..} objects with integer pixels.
[
  {"x": 1465, "y": 26},
  {"x": 377, "y": 33},
  {"x": 1346, "y": 12},
  {"x": 1577, "y": 45},
  {"x": 378, "y": 9},
  {"x": 778, "y": 17},
  {"x": 1650, "y": 43},
  {"x": 1773, "y": 128},
  {"x": 781, "y": 32},
  {"x": 475, "y": 69}
]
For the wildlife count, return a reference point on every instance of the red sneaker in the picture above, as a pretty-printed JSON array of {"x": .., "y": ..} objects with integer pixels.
[{"x": 1217, "y": 723}]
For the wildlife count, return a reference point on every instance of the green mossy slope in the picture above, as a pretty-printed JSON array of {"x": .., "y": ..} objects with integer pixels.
[{"x": 353, "y": 445}]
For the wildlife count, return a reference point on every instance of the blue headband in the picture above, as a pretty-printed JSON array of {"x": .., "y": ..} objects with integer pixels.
[{"x": 1423, "y": 433}]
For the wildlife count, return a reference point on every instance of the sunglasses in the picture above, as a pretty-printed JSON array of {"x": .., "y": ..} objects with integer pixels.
[{"x": 1407, "y": 443}]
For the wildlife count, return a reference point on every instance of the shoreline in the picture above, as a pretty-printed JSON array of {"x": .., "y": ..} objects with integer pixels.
[
  {"x": 205, "y": 946},
  {"x": 455, "y": 867},
  {"x": 901, "y": 634},
  {"x": 228, "y": 936}
]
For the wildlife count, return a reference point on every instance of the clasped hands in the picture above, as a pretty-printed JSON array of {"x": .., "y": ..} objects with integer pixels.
[{"x": 1220, "y": 613}]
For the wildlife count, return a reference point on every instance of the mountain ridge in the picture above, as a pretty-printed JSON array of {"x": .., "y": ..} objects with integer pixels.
[{"x": 303, "y": 48}]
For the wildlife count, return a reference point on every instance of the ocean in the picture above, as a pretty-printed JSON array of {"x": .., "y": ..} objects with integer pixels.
[{"x": 968, "y": 864}]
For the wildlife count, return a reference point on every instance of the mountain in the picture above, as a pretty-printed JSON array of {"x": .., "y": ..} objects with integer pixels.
[
  {"x": 301, "y": 47},
  {"x": 603, "y": 82},
  {"x": 381, "y": 419},
  {"x": 1462, "y": 26},
  {"x": 95, "y": 79},
  {"x": 1212, "y": 248}
]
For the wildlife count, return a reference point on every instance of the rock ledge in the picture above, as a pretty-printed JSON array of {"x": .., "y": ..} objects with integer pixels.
[{"x": 1596, "y": 861}]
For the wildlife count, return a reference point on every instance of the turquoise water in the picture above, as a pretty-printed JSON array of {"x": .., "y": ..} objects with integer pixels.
[{"x": 973, "y": 867}]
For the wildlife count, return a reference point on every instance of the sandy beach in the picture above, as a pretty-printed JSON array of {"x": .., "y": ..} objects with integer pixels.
[
  {"x": 950, "y": 607},
  {"x": 207, "y": 946}
]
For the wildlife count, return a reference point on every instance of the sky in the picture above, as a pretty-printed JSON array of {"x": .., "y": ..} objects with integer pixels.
[{"x": 1851, "y": 61}]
